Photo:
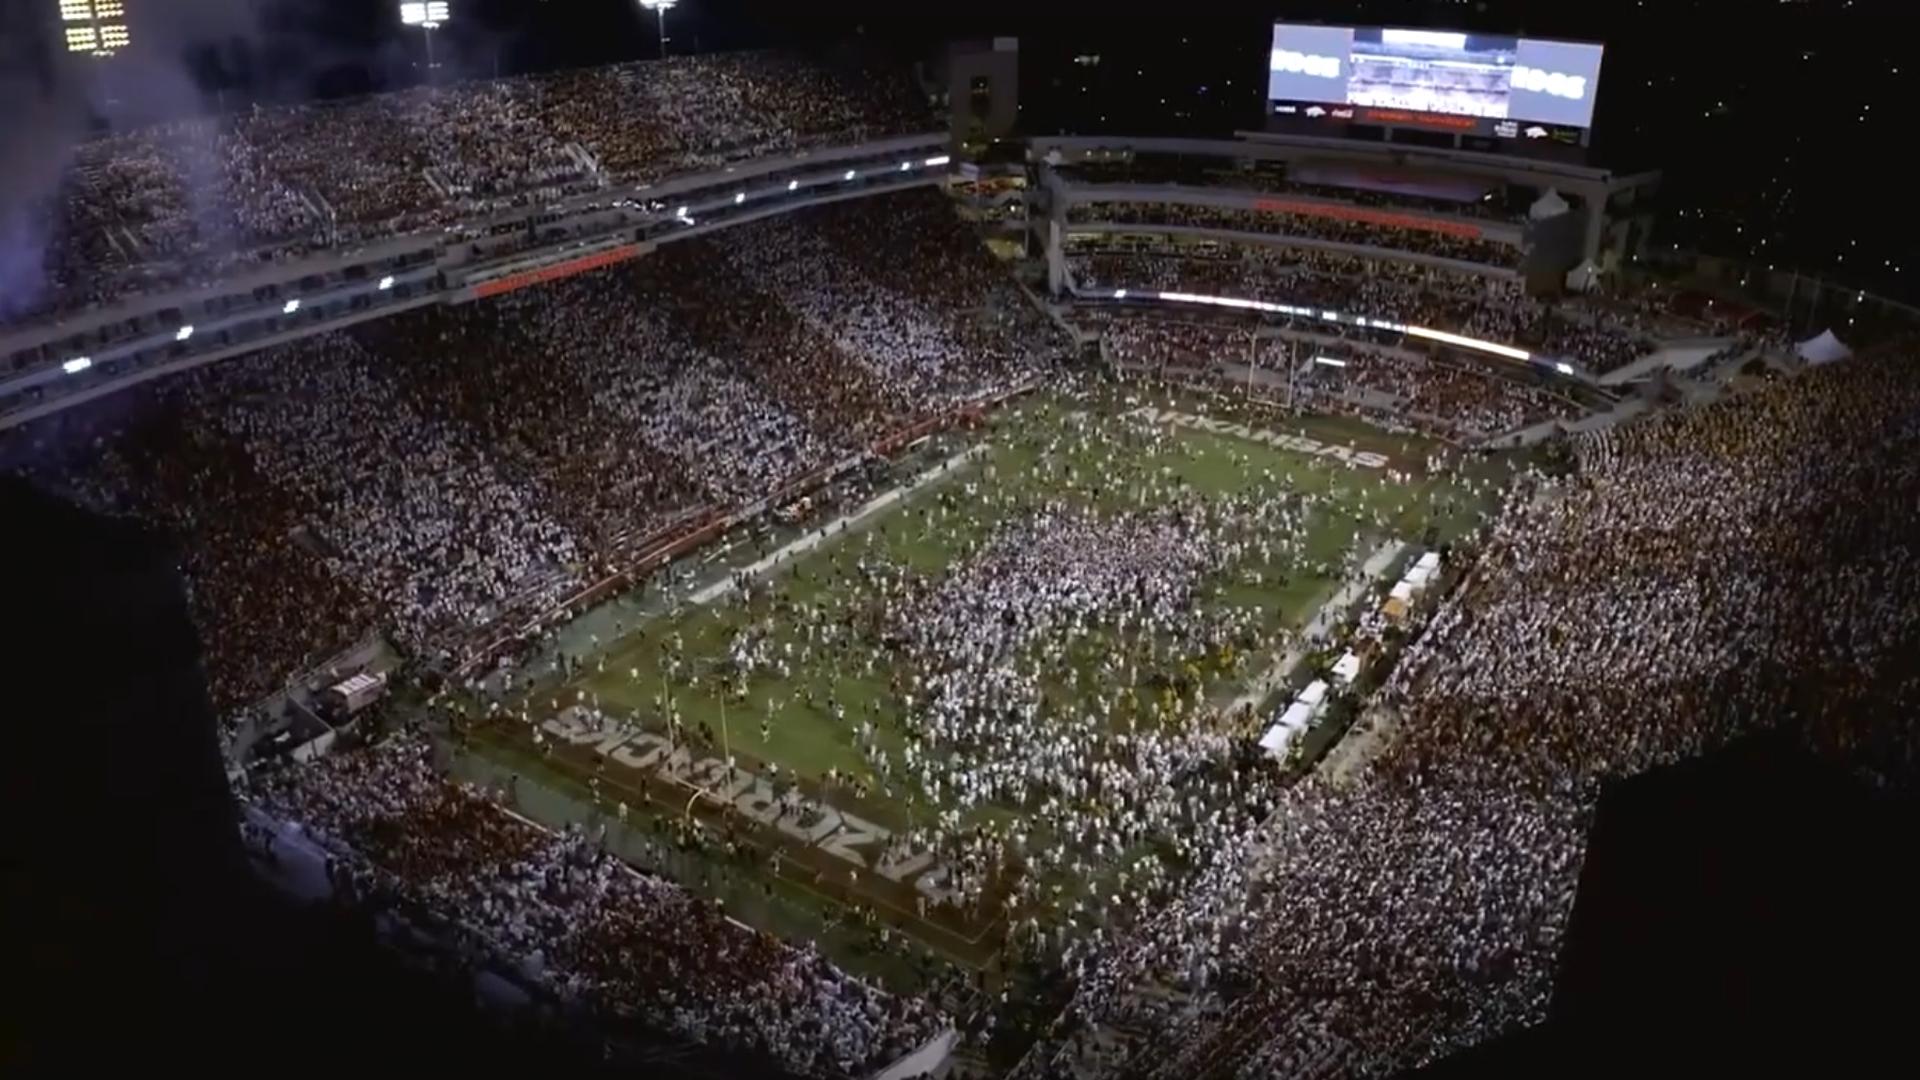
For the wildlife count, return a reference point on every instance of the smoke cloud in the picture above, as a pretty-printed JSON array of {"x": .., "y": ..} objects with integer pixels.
[{"x": 42, "y": 125}]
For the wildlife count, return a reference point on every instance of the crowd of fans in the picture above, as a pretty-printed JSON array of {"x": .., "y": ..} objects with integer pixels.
[
  {"x": 634, "y": 947},
  {"x": 1328, "y": 227},
  {"x": 1496, "y": 309},
  {"x": 451, "y": 467},
  {"x": 435, "y": 472},
  {"x": 1740, "y": 566},
  {"x": 187, "y": 202},
  {"x": 942, "y": 330},
  {"x": 1155, "y": 342},
  {"x": 1459, "y": 396},
  {"x": 1455, "y": 397},
  {"x": 1087, "y": 603}
]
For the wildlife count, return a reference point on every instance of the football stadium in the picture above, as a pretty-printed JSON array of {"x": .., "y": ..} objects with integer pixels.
[{"x": 755, "y": 552}]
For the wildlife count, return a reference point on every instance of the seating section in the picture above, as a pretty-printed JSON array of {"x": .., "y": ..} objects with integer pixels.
[
  {"x": 1598, "y": 338},
  {"x": 187, "y": 203},
  {"x": 435, "y": 472},
  {"x": 1702, "y": 573},
  {"x": 1274, "y": 179},
  {"x": 1441, "y": 393},
  {"x": 641, "y": 950},
  {"x": 1332, "y": 229}
]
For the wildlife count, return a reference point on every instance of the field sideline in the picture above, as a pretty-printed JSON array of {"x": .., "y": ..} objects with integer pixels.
[{"x": 799, "y": 731}]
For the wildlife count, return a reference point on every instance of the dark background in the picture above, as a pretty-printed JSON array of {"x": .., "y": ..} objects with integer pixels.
[{"x": 1780, "y": 124}]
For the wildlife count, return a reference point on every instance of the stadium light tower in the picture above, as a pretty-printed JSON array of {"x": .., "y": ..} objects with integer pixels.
[
  {"x": 660, "y": 9},
  {"x": 94, "y": 27},
  {"x": 429, "y": 16}
]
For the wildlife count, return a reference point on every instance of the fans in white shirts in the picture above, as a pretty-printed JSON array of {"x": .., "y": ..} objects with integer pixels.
[
  {"x": 1681, "y": 589},
  {"x": 635, "y": 947},
  {"x": 1493, "y": 309},
  {"x": 450, "y": 468},
  {"x": 188, "y": 202}
]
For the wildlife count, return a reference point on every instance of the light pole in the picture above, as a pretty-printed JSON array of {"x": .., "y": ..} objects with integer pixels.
[
  {"x": 429, "y": 16},
  {"x": 660, "y": 9}
]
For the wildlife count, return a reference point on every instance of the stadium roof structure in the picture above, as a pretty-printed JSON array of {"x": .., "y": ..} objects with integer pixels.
[{"x": 1750, "y": 908}]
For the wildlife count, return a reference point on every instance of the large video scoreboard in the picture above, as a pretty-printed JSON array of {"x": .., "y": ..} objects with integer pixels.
[{"x": 1487, "y": 85}]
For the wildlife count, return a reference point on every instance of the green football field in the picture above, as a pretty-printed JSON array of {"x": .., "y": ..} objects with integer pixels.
[
  {"x": 801, "y": 727},
  {"x": 930, "y": 533}
]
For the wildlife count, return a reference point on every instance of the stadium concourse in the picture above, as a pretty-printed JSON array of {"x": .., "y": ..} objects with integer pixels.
[{"x": 445, "y": 472}]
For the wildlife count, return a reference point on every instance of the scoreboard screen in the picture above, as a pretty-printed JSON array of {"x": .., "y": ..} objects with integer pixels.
[{"x": 1474, "y": 84}]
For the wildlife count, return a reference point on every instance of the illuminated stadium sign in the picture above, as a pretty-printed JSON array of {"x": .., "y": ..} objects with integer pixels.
[
  {"x": 1473, "y": 84},
  {"x": 94, "y": 27}
]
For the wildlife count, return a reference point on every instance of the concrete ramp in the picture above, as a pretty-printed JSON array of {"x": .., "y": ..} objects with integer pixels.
[
  {"x": 1613, "y": 417},
  {"x": 1672, "y": 356}
]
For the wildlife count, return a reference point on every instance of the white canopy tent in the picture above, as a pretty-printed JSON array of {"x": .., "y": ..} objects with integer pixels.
[
  {"x": 1824, "y": 348},
  {"x": 1550, "y": 205}
]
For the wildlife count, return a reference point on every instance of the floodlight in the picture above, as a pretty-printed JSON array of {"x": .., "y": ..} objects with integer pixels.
[
  {"x": 386, "y": 283},
  {"x": 739, "y": 197},
  {"x": 94, "y": 26},
  {"x": 793, "y": 185},
  {"x": 660, "y": 9},
  {"x": 850, "y": 175},
  {"x": 184, "y": 333},
  {"x": 77, "y": 365},
  {"x": 428, "y": 15},
  {"x": 291, "y": 307}
]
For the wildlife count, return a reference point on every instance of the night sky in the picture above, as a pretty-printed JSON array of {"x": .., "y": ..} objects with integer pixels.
[{"x": 1778, "y": 124}]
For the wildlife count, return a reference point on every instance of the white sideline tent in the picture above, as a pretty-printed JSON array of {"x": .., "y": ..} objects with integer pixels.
[
  {"x": 1277, "y": 739},
  {"x": 1550, "y": 205},
  {"x": 1824, "y": 348},
  {"x": 1347, "y": 668}
]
